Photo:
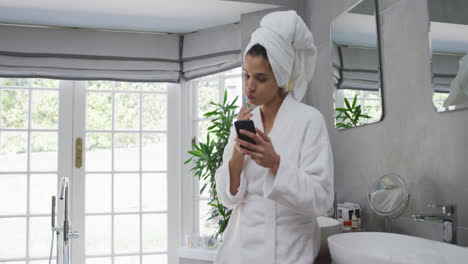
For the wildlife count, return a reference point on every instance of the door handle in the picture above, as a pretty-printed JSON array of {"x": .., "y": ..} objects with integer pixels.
[{"x": 79, "y": 153}]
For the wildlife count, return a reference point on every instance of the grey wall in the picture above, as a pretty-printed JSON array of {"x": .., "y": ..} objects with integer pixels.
[{"x": 428, "y": 149}]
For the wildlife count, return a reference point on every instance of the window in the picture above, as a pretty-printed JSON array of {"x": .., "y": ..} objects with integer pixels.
[
  {"x": 119, "y": 197},
  {"x": 126, "y": 172},
  {"x": 205, "y": 90},
  {"x": 438, "y": 99},
  {"x": 29, "y": 158}
]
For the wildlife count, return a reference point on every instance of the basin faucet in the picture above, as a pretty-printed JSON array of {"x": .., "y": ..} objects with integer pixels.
[{"x": 446, "y": 217}]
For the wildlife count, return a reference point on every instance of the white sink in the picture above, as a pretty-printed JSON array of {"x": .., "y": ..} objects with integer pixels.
[
  {"x": 376, "y": 247},
  {"x": 328, "y": 227}
]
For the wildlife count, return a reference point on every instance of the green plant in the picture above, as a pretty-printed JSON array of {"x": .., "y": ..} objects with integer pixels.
[
  {"x": 350, "y": 116},
  {"x": 208, "y": 157}
]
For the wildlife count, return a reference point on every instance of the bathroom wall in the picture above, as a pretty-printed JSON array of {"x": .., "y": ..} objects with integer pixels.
[{"x": 428, "y": 149}]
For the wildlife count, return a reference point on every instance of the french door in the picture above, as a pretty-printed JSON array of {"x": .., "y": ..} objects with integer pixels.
[{"x": 111, "y": 139}]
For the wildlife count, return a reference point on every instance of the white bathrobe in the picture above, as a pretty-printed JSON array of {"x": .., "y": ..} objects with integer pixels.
[{"x": 274, "y": 217}]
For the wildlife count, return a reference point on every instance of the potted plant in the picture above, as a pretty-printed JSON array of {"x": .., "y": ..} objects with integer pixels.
[
  {"x": 207, "y": 157},
  {"x": 350, "y": 116}
]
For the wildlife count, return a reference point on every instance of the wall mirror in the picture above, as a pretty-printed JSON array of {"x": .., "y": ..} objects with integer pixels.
[
  {"x": 448, "y": 39},
  {"x": 357, "y": 79}
]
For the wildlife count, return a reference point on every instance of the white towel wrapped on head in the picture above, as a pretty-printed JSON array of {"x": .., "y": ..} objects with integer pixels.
[{"x": 290, "y": 49}]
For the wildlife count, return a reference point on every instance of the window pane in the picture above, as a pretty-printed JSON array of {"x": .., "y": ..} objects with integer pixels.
[
  {"x": 100, "y": 85},
  {"x": 154, "y": 232},
  {"x": 13, "y": 194},
  {"x": 44, "y": 109},
  {"x": 40, "y": 236},
  {"x": 45, "y": 83},
  {"x": 99, "y": 111},
  {"x": 98, "y": 154},
  {"x": 41, "y": 261},
  {"x": 208, "y": 91},
  {"x": 127, "y": 111},
  {"x": 127, "y": 260},
  {"x": 15, "y": 230},
  {"x": 203, "y": 130},
  {"x": 98, "y": 193},
  {"x": 126, "y": 152},
  {"x": 154, "y": 112},
  {"x": 234, "y": 89},
  {"x": 15, "y": 105},
  {"x": 154, "y": 152},
  {"x": 42, "y": 187},
  {"x": 154, "y": 188},
  {"x": 44, "y": 151},
  {"x": 15, "y": 82},
  {"x": 98, "y": 235},
  {"x": 126, "y": 192},
  {"x": 127, "y": 233},
  {"x": 98, "y": 261},
  {"x": 13, "y": 147},
  {"x": 155, "y": 259},
  {"x": 127, "y": 86},
  {"x": 207, "y": 228},
  {"x": 154, "y": 87}
]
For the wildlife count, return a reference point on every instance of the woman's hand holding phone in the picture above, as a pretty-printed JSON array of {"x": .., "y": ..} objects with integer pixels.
[{"x": 263, "y": 152}]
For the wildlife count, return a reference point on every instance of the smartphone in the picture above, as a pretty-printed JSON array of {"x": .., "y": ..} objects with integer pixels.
[{"x": 246, "y": 125}]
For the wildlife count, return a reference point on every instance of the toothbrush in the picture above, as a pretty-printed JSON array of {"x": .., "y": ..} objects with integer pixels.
[{"x": 247, "y": 99}]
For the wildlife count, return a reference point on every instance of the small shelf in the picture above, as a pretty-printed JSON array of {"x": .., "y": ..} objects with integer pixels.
[{"x": 197, "y": 253}]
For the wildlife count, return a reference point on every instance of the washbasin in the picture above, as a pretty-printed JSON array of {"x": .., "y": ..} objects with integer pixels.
[
  {"x": 379, "y": 247},
  {"x": 328, "y": 227}
]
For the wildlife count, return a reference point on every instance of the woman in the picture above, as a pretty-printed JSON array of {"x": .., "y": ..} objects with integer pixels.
[{"x": 278, "y": 188}]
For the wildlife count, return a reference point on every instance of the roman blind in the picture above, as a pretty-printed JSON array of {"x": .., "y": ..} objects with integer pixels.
[
  {"x": 85, "y": 54},
  {"x": 210, "y": 51}
]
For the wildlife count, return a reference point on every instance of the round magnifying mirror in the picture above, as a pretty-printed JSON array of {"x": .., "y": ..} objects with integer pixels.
[{"x": 388, "y": 196}]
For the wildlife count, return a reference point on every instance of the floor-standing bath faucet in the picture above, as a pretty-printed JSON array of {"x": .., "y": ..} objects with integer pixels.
[
  {"x": 65, "y": 229},
  {"x": 63, "y": 195}
]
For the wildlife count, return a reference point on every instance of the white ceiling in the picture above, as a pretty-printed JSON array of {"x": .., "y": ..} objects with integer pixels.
[{"x": 173, "y": 16}]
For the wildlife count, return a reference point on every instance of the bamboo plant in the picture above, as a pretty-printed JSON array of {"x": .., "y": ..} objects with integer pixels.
[
  {"x": 207, "y": 157},
  {"x": 350, "y": 116}
]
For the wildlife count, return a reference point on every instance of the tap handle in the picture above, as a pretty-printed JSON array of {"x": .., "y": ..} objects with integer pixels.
[
  {"x": 447, "y": 209},
  {"x": 53, "y": 212}
]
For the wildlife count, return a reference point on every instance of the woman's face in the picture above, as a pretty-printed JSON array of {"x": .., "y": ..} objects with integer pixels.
[{"x": 259, "y": 80}]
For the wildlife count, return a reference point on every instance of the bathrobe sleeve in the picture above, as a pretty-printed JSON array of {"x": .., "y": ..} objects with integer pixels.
[
  {"x": 222, "y": 177},
  {"x": 305, "y": 186}
]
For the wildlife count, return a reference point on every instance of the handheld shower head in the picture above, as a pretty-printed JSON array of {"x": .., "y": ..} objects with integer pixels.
[{"x": 63, "y": 186}]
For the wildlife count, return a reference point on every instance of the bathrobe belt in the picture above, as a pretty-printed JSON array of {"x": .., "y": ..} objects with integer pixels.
[{"x": 269, "y": 232}]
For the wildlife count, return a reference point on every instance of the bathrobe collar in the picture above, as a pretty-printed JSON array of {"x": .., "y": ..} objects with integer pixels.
[{"x": 257, "y": 117}]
